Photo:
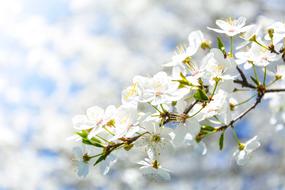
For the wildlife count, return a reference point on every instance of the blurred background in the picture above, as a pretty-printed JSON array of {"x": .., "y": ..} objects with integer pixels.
[{"x": 59, "y": 57}]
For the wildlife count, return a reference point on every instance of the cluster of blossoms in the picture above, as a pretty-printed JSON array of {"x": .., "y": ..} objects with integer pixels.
[{"x": 196, "y": 96}]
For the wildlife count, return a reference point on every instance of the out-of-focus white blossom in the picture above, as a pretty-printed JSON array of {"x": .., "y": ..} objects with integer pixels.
[{"x": 242, "y": 155}]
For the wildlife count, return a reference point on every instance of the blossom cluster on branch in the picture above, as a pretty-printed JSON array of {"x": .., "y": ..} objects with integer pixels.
[{"x": 193, "y": 98}]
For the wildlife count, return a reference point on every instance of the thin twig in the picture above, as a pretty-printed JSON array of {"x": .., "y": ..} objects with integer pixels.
[
  {"x": 243, "y": 82},
  {"x": 258, "y": 100},
  {"x": 275, "y": 90},
  {"x": 242, "y": 74},
  {"x": 189, "y": 108}
]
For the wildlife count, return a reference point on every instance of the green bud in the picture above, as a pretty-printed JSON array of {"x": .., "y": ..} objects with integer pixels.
[
  {"x": 270, "y": 32},
  {"x": 128, "y": 147}
]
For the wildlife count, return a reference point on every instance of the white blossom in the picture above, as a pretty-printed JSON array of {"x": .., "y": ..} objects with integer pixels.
[
  {"x": 183, "y": 56},
  {"x": 278, "y": 32},
  {"x": 157, "y": 140},
  {"x": 231, "y": 27},
  {"x": 159, "y": 89},
  {"x": 152, "y": 168},
  {"x": 256, "y": 55},
  {"x": 242, "y": 155}
]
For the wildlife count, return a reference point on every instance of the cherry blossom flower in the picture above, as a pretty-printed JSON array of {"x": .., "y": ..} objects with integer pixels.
[
  {"x": 219, "y": 67},
  {"x": 256, "y": 55},
  {"x": 231, "y": 27},
  {"x": 152, "y": 168},
  {"x": 126, "y": 122},
  {"x": 184, "y": 131},
  {"x": 159, "y": 90},
  {"x": 82, "y": 160},
  {"x": 183, "y": 56},
  {"x": 278, "y": 32},
  {"x": 157, "y": 140},
  {"x": 242, "y": 155}
]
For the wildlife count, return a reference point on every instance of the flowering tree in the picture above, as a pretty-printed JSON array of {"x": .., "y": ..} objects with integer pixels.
[{"x": 204, "y": 90}]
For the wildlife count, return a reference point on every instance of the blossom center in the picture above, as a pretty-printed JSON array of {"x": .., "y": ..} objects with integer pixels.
[
  {"x": 156, "y": 138},
  {"x": 155, "y": 164},
  {"x": 241, "y": 146}
]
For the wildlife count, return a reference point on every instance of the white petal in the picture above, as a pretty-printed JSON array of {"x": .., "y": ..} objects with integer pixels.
[
  {"x": 195, "y": 38},
  {"x": 77, "y": 151},
  {"x": 216, "y": 30},
  {"x": 247, "y": 66},
  {"x": 194, "y": 126},
  {"x": 107, "y": 164},
  {"x": 252, "y": 144},
  {"x": 163, "y": 175},
  {"x": 242, "y": 157},
  {"x": 83, "y": 169},
  {"x": 81, "y": 122},
  {"x": 222, "y": 24},
  {"x": 95, "y": 113},
  {"x": 241, "y": 21},
  {"x": 201, "y": 148}
]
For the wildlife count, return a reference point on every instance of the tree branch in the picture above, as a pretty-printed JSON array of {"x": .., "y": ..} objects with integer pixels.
[
  {"x": 258, "y": 100},
  {"x": 189, "y": 108},
  {"x": 275, "y": 90},
  {"x": 244, "y": 82}
]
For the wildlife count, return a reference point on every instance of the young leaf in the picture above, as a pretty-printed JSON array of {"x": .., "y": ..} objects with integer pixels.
[
  {"x": 200, "y": 95},
  {"x": 88, "y": 142},
  {"x": 82, "y": 133},
  {"x": 221, "y": 141},
  {"x": 221, "y": 45},
  {"x": 95, "y": 140},
  {"x": 100, "y": 159},
  {"x": 207, "y": 128}
]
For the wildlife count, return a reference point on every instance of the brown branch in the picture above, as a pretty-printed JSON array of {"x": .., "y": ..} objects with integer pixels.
[
  {"x": 244, "y": 84},
  {"x": 258, "y": 100},
  {"x": 275, "y": 90},
  {"x": 189, "y": 108},
  {"x": 242, "y": 74}
]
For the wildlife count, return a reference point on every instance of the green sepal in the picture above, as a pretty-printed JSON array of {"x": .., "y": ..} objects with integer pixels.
[
  {"x": 100, "y": 159},
  {"x": 92, "y": 142},
  {"x": 183, "y": 82},
  {"x": 221, "y": 45},
  {"x": 200, "y": 95},
  {"x": 221, "y": 141},
  {"x": 82, "y": 133},
  {"x": 207, "y": 128}
]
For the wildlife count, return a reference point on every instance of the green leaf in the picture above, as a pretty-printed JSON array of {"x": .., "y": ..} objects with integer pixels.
[
  {"x": 200, "y": 95},
  {"x": 95, "y": 140},
  {"x": 254, "y": 80},
  {"x": 221, "y": 45},
  {"x": 100, "y": 159},
  {"x": 183, "y": 82},
  {"x": 98, "y": 145},
  {"x": 208, "y": 128},
  {"x": 82, "y": 133},
  {"x": 221, "y": 141},
  {"x": 88, "y": 142}
]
